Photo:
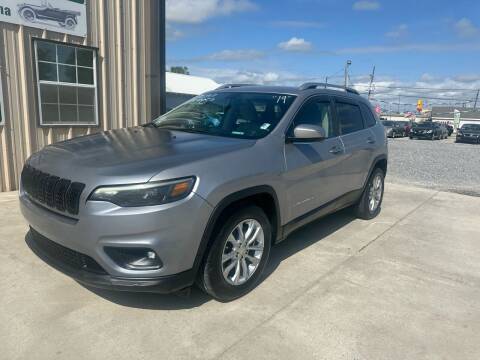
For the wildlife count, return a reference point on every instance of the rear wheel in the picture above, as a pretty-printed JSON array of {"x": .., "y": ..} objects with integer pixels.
[
  {"x": 370, "y": 203},
  {"x": 238, "y": 255}
]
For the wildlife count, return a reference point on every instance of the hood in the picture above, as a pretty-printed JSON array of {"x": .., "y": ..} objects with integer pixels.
[{"x": 129, "y": 155}]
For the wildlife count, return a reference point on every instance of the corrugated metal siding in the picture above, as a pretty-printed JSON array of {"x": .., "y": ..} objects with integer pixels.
[{"x": 127, "y": 34}]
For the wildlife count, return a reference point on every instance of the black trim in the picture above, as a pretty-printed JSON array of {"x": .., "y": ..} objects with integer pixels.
[
  {"x": 163, "y": 284},
  {"x": 229, "y": 200},
  {"x": 374, "y": 165},
  {"x": 324, "y": 210}
]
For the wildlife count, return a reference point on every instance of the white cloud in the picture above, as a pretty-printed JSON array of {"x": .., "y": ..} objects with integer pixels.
[
  {"x": 172, "y": 33},
  {"x": 235, "y": 55},
  {"x": 398, "y": 32},
  {"x": 296, "y": 45},
  {"x": 224, "y": 76},
  {"x": 298, "y": 24},
  {"x": 366, "y": 5},
  {"x": 197, "y": 11},
  {"x": 410, "y": 47},
  {"x": 434, "y": 90},
  {"x": 465, "y": 28}
]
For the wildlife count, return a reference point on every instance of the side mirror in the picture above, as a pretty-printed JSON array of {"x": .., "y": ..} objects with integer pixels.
[{"x": 307, "y": 133}]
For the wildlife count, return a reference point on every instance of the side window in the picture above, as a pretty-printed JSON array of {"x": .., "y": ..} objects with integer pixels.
[
  {"x": 368, "y": 115},
  {"x": 316, "y": 113},
  {"x": 349, "y": 118}
]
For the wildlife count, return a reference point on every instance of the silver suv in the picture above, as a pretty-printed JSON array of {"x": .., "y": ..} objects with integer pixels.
[{"x": 201, "y": 194}]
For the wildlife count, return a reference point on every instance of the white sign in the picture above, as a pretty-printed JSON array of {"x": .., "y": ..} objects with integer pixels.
[
  {"x": 456, "y": 118},
  {"x": 64, "y": 16}
]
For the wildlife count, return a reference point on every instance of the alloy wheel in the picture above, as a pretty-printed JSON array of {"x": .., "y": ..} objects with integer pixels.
[
  {"x": 375, "y": 193},
  {"x": 242, "y": 252}
]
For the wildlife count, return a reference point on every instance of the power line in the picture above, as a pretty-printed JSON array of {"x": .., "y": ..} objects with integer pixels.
[
  {"x": 414, "y": 88},
  {"x": 425, "y": 97}
]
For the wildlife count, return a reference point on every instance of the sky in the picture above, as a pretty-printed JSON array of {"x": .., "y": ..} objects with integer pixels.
[{"x": 420, "y": 49}]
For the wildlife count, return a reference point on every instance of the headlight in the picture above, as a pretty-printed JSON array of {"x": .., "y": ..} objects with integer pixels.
[
  {"x": 429, "y": 131},
  {"x": 148, "y": 194}
]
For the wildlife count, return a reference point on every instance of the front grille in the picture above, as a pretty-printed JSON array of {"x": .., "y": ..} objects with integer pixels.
[
  {"x": 52, "y": 191},
  {"x": 65, "y": 255}
]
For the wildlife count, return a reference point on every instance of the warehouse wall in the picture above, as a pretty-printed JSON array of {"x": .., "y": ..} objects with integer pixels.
[{"x": 130, "y": 40}]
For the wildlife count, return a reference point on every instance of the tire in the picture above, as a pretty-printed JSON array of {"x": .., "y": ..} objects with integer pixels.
[
  {"x": 211, "y": 278},
  {"x": 362, "y": 209},
  {"x": 28, "y": 14}
]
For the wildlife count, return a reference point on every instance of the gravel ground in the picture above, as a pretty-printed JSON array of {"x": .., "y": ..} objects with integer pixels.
[{"x": 440, "y": 164}]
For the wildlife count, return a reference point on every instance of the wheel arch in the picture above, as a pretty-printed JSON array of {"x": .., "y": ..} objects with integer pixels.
[
  {"x": 381, "y": 162},
  {"x": 263, "y": 196}
]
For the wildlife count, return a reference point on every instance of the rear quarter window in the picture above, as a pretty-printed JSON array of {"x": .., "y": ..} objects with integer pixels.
[{"x": 368, "y": 115}]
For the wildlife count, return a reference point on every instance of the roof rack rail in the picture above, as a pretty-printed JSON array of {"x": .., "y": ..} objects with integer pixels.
[
  {"x": 315, "y": 85},
  {"x": 231, "y": 86}
]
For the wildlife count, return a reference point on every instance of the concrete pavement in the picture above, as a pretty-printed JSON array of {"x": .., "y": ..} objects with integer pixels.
[{"x": 405, "y": 285}]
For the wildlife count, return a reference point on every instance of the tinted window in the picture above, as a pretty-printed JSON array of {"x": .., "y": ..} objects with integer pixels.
[
  {"x": 368, "y": 114},
  {"x": 316, "y": 113},
  {"x": 349, "y": 118}
]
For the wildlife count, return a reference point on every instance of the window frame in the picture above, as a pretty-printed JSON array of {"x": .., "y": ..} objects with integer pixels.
[
  {"x": 2, "y": 103},
  {"x": 348, "y": 101},
  {"x": 317, "y": 98},
  {"x": 39, "y": 82}
]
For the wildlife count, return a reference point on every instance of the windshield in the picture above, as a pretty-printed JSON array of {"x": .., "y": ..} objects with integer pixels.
[
  {"x": 234, "y": 114},
  {"x": 471, "y": 127},
  {"x": 425, "y": 124}
]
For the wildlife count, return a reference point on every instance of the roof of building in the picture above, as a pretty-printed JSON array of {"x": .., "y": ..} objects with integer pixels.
[
  {"x": 188, "y": 84},
  {"x": 448, "y": 111}
]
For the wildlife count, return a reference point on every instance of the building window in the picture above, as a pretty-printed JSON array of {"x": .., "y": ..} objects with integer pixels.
[
  {"x": 67, "y": 84},
  {"x": 2, "y": 112}
]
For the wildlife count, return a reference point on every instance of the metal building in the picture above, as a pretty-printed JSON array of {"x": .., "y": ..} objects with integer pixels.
[{"x": 74, "y": 67}]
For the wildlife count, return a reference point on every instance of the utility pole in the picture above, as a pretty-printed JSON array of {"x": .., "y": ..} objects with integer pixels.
[
  {"x": 326, "y": 81},
  {"x": 476, "y": 100},
  {"x": 372, "y": 76},
  {"x": 347, "y": 65}
]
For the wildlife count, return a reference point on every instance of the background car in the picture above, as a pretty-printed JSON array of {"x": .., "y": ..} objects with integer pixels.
[
  {"x": 407, "y": 126},
  {"x": 393, "y": 129},
  {"x": 428, "y": 130},
  {"x": 469, "y": 133},
  {"x": 449, "y": 129}
]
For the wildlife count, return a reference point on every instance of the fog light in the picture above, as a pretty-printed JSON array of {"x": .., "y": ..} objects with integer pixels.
[{"x": 134, "y": 258}]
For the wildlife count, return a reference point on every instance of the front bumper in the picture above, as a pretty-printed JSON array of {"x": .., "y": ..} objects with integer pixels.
[
  {"x": 469, "y": 139},
  {"x": 421, "y": 135},
  {"x": 87, "y": 272},
  {"x": 174, "y": 231}
]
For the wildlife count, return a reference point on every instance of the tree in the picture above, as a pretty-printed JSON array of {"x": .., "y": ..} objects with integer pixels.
[{"x": 180, "y": 70}]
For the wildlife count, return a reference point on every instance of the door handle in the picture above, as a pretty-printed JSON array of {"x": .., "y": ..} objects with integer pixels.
[
  {"x": 335, "y": 150},
  {"x": 371, "y": 140}
]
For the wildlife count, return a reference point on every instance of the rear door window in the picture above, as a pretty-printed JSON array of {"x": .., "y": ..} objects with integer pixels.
[{"x": 349, "y": 117}]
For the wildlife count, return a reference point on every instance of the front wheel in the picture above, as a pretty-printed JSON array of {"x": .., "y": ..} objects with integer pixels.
[
  {"x": 238, "y": 256},
  {"x": 370, "y": 203}
]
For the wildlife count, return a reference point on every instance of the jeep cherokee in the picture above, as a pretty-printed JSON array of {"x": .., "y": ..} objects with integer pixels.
[{"x": 200, "y": 194}]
